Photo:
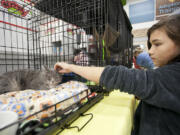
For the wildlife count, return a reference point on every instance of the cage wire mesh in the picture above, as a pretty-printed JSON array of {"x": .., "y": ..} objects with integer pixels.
[{"x": 42, "y": 32}]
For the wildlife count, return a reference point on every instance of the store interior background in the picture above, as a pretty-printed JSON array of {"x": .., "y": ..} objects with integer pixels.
[{"x": 144, "y": 13}]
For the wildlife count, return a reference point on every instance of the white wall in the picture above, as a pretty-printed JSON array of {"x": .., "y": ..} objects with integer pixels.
[
  {"x": 11, "y": 36},
  {"x": 55, "y": 31},
  {"x": 143, "y": 25}
]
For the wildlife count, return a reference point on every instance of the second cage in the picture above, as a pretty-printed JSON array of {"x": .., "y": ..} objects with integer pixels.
[{"x": 99, "y": 29}]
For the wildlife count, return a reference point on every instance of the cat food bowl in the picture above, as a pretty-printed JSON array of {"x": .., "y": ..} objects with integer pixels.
[{"x": 6, "y": 118}]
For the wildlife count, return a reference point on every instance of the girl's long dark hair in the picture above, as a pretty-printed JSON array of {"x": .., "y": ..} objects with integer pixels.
[{"x": 171, "y": 25}]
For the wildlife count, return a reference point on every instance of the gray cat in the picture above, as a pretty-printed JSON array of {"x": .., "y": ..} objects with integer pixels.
[{"x": 29, "y": 79}]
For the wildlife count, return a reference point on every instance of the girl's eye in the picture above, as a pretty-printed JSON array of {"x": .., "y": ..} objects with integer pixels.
[{"x": 157, "y": 44}]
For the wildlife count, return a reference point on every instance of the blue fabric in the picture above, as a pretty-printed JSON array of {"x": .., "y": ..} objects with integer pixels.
[{"x": 144, "y": 60}]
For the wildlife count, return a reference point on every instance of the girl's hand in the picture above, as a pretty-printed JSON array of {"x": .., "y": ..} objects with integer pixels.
[{"x": 62, "y": 67}]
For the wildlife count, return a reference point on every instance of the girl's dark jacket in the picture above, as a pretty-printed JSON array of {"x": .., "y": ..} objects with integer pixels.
[{"x": 159, "y": 90}]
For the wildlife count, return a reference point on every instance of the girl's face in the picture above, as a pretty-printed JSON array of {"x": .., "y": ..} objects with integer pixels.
[{"x": 163, "y": 49}]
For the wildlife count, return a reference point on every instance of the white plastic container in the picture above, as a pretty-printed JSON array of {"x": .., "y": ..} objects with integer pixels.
[{"x": 6, "y": 118}]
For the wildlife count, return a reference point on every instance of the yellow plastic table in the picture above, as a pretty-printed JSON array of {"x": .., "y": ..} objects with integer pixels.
[{"x": 111, "y": 116}]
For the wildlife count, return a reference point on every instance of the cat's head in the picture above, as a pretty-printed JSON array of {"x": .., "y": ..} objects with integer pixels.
[{"x": 51, "y": 77}]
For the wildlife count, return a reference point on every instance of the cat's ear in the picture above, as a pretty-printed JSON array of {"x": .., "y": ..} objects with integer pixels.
[{"x": 45, "y": 68}]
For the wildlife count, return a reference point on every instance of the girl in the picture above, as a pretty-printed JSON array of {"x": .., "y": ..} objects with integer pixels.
[{"x": 159, "y": 89}]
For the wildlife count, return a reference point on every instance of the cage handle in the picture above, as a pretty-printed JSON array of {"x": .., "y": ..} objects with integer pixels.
[{"x": 79, "y": 129}]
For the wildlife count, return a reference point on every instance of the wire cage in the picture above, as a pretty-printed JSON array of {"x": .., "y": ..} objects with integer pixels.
[
  {"x": 100, "y": 26},
  {"x": 84, "y": 32}
]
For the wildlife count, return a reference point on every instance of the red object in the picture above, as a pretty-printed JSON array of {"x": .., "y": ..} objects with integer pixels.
[
  {"x": 17, "y": 26},
  {"x": 70, "y": 30},
  {"x": 12, "y": 4},
  {"x": 135, "y": 65},
  {"x": 92, "y": 95}
]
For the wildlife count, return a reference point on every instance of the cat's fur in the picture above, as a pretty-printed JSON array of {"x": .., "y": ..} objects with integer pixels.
[{"x": 29, "y": 79}]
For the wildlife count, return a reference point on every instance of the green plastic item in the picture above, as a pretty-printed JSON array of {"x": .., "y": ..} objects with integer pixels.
[
  {"x": 123, "y": 2},
  {"x": 90, "y": 83},
  {"x": 45, "y": 124},
  {"x": 56, "y": 119},
  {"x": 103, "y": 49}
]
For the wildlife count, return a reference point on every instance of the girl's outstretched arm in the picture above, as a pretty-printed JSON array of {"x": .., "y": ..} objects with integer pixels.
[{"x": 90, "y": 73}]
